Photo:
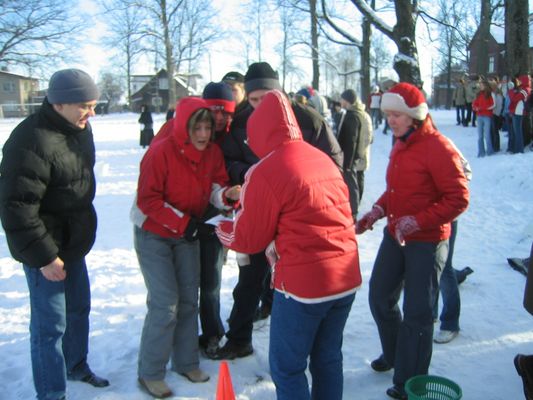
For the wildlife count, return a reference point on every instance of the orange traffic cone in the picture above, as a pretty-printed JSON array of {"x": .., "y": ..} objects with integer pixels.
[{"x": 224, "y": 386}]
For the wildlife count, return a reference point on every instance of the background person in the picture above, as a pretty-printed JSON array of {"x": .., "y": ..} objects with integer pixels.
[
  {"x": 426, "y": 189},
  {"x": 147, "y": 126},
  {"x": 47, "y": 188}
]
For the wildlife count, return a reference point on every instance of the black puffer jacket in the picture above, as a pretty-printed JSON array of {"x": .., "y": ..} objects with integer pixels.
[
  {"x": 47, "y": 188},
  {"x": 315, "y": 131}
]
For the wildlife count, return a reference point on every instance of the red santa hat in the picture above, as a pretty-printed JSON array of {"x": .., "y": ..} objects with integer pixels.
[{"x": 405, "y": 98}]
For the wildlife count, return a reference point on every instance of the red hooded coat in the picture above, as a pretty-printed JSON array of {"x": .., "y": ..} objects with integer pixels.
[
  {"x": 178, "y": 181},
  {"x": 294, "y": 201}
]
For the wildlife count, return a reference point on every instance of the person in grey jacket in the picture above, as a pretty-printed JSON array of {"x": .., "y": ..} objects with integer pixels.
[
  {"x": 459, "y": 101},
  {"x": 47, "y": 188}
]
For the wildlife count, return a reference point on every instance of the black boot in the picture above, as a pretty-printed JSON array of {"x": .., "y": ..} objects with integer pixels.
[
  {"x": 397, "y": 392},
  {"x": 524, "y": 367},
  {"x": 380, "y": 364}
]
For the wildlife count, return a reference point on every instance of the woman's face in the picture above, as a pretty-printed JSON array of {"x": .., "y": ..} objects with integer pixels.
[
  {"x": 399, "y": 122},
  {"x": 201, "y": 135}
]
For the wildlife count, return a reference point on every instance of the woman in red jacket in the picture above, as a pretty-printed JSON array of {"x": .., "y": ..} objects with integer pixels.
[
  {"x": 426, "y": 190},
  {"x": 483, "y": 106},
  {"x": 180, "y": 174},
  {"x": 298, "y": 197}
]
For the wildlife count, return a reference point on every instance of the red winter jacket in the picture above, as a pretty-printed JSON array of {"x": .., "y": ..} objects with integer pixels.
[
  {"x": 425, "y": 179},
  {"x": 176, "y": 180},
  {"x": 483, "y": 105},
  {"x": 519, "y": 95},
  {"x": 294, "y": 201}
]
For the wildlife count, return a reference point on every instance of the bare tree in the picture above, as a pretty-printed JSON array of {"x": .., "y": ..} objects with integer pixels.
[
  {"x": 517, "y": 37},
  {"x": 181, "y": 31},
  {"x": 110, "y": 89},
  {"x": 37, "y": 33},
  {"x": 125, "y": 26}
]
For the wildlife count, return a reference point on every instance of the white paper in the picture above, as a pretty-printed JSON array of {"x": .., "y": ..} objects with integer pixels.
[{"x": 217, "y": 219}]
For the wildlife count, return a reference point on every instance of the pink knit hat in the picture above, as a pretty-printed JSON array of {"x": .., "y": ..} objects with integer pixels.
[{"x": 405, "y": 98}]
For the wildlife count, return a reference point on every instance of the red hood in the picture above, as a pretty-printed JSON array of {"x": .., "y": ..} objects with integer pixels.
[
  {"x": 184, "y": 109},
  {"x": 271, "y": 124}
]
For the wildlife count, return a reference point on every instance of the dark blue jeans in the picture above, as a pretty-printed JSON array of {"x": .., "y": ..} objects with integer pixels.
[
  {"x": 59, "y": 328},
  {"x": 449, "y": 288},
  {"x": 211, "y": 260},
  {"x": 299, "y": 331},
  {"x": 518, "y": 136},
  {"x": 406, "y": 337}
]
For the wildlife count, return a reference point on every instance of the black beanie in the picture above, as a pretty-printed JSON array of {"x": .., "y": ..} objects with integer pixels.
[
  {"x": 349, "y": 95},
  {"x": 70, "y": 86},
  {"x": 260, "y": 75},
  {"x": 233, "y": 77}
]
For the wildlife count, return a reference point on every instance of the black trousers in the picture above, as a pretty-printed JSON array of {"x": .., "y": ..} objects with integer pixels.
[
  {"x": 406, "y": 340},
  {"x": 246, "y": 295}
]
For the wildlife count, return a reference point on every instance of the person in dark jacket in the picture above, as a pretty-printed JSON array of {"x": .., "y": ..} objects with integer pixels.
[
  {"x": 147, "y": 126},
  {"x": 253, "y": 282},
  {"x": 348, "y": 137},
  {"x": 47, "y": 188}
]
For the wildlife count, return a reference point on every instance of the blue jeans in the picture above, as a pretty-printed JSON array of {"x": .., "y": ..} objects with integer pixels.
[
  {"x": 449, "y": 288},
  {"x": 211, "y": 260},
  {"x": 518, "y": 138},
  {"x": 59, "y": 328},
  {"x": 484, "y": 125},
  {"x": 299, "y": 331}
]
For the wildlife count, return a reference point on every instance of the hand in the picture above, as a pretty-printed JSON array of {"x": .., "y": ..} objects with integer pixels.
[
  {"x": 233, "y": 193},
  {"x": 405, "y": 226},
  {"x": 55, "y": 271},
  {"x": 191, "y": 231},
  {"x": 369, "y": 219}
]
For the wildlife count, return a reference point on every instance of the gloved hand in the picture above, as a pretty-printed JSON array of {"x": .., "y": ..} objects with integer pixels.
[
  {"x": 191, "y": 231},
  {"x": 369, "y": 219},
  {"x": 405, "y": 226},
  {"x": 205, "y": 229}
]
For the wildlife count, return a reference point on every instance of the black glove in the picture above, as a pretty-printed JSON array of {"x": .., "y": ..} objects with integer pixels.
[
  {"x": 191, "y": 231},
  {"x": 209, "y": 213},
  {"x": 206, "y": 229}
]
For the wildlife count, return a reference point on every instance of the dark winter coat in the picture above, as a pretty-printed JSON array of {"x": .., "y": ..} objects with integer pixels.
[
  {"x": 315, "y": 130},
  {"x": 47, "y": 187}
]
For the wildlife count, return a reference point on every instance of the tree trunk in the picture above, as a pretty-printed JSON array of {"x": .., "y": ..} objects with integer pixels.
[
  {"x": 314, "y": 44},
  {"x": 517, "y": 37},
  {"x": 406, "y": 62},
  {"x": 365, "y": 57},
  {"x": 484, "y": 32}
]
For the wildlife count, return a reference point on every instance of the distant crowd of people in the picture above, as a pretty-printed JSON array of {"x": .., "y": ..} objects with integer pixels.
[
  {"x": 291, "y": 169},
  {"x": 494, "y": 105}
]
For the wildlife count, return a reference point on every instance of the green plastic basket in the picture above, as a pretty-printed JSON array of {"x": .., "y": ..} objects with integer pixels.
[{"x": 431, "y": 387}]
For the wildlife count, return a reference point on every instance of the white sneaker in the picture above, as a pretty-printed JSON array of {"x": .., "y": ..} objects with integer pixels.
[{"x": 443, "y": 336}]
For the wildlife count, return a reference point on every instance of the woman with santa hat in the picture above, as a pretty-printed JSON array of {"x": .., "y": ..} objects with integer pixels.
[{"x": 426, "y": 190}]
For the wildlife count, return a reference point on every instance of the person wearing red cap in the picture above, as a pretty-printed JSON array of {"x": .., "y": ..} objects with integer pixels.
[{"x": 426, "y": 190}]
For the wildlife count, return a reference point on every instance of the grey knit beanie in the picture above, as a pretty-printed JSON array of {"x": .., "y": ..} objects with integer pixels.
[{"x": 70, "y": 86}]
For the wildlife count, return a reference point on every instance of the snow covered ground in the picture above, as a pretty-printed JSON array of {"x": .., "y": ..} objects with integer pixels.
[{"x": 494, "y": 326}]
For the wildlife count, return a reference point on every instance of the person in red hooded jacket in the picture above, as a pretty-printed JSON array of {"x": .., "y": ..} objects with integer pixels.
[
  {"x": 517, "y": 108},
  {"x": 426, "y": 190},
  {"x": 298, "y": 197},
  {"x": 179, "y": 176}
]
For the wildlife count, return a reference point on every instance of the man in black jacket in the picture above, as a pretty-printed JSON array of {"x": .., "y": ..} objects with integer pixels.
[
  {"x": 47, "y": 188},
  {"x": 253, "y": 282}
]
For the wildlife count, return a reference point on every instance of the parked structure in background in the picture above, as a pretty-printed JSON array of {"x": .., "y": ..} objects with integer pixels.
[
  {"x": 17, "y": 95},
  {"x": 153, "y": 90}
]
